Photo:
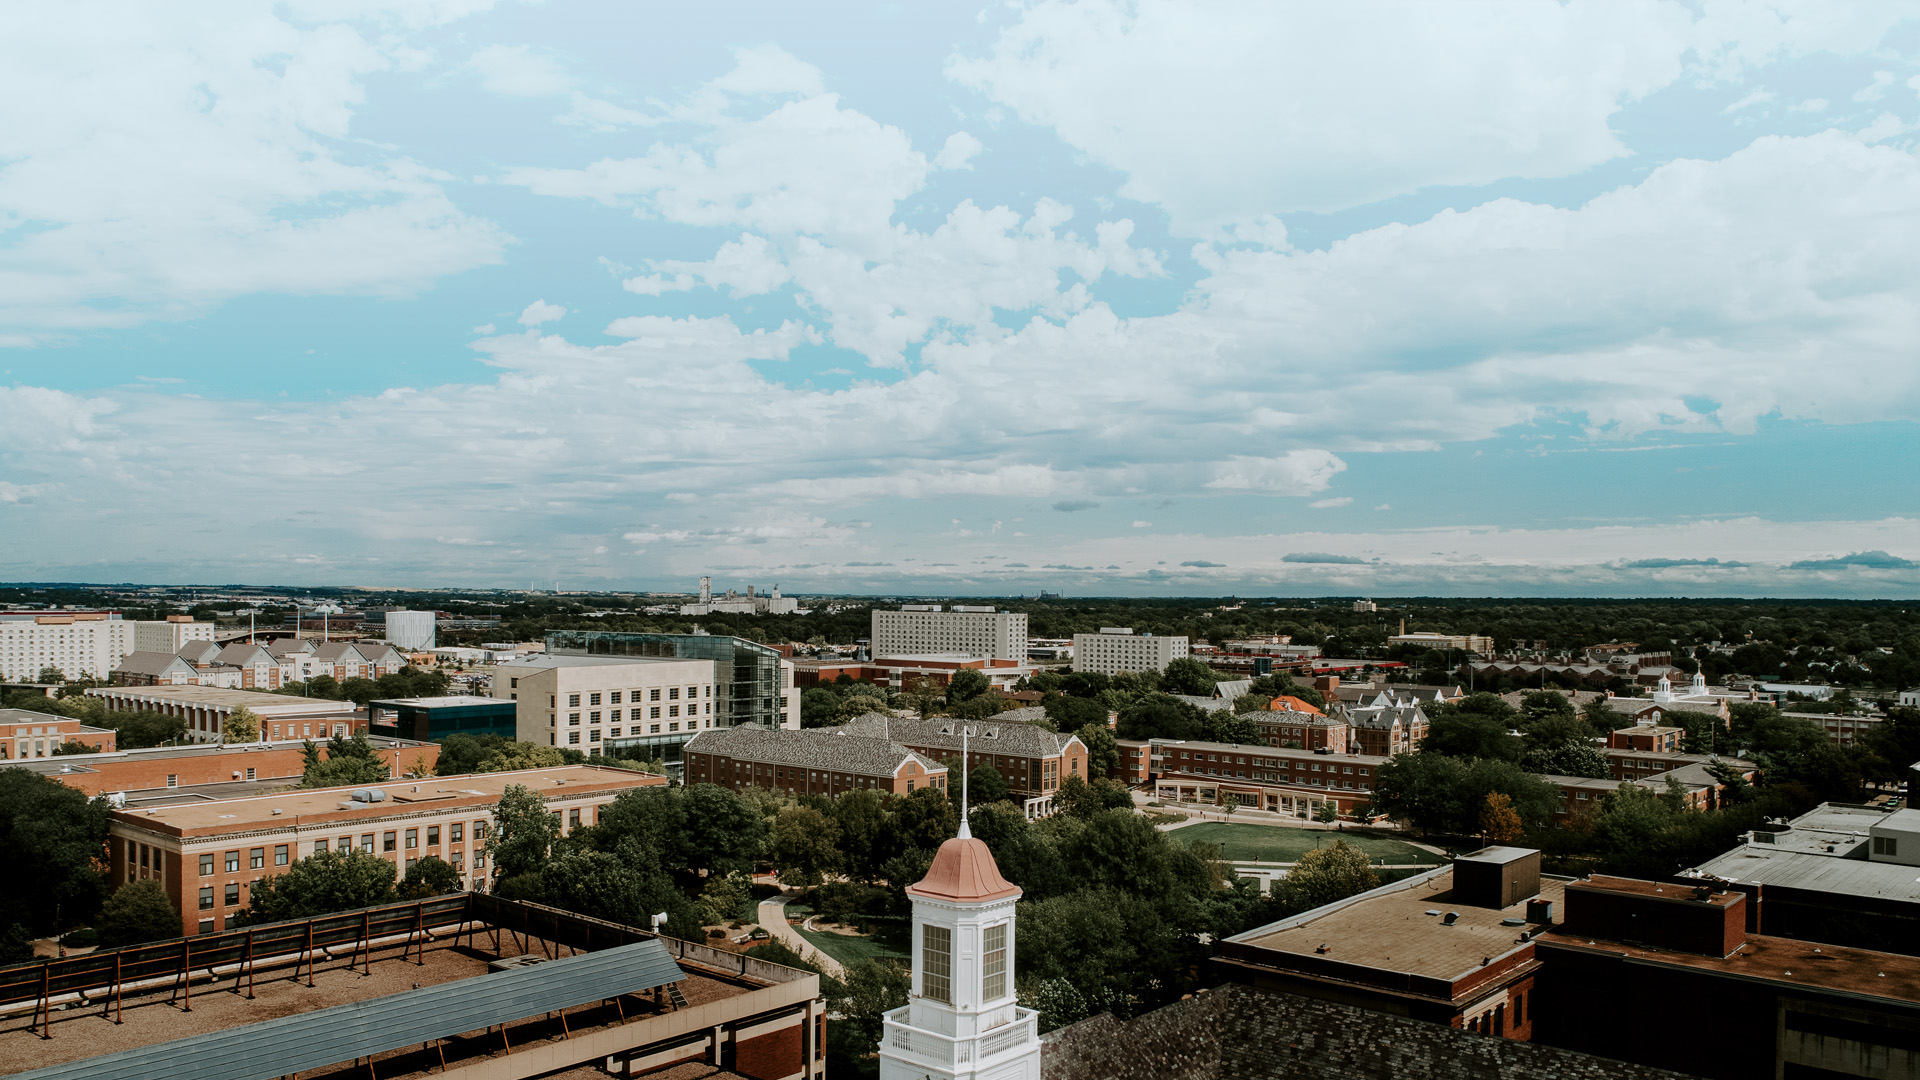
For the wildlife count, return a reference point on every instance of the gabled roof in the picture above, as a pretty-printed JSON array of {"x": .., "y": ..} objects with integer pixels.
[
  {"x": 243, "y": 654},
  {"x": 994, "y": 735},
  {"x": 284, "y": 647},
  {"x": 153, "y": 664},
  {"x": 1231, "y": 689},
  {"x": 828, "y": 749},
  {"x": 198, "y": 652}
]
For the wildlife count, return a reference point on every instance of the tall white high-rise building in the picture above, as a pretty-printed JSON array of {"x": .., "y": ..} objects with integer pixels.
[
  {"x": 1117, "y": 648},
  {"x": 918, "y": 629},
  {"x": 961, "y": 1019},
  {"x": 83, "y": 644}
]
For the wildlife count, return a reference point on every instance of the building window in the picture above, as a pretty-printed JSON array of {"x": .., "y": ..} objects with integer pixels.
[
  {"x": 573, "y": 719},
  {"x": 257, "y": 859},
  {"x": 366, "y": 843},
  {"x": 279, "y": 854},
  {"x": 993, "y": 969},
  {"x": 479, "y": 830},
  {"x": 573, "y": 701},
  {"x": 673, "y": 710},
  {"x": 613, "y": 697},
  {"x": 206, "y": 926},
  {"x": 250, "y": 775},
  {"x": 390, "y": 840},
  {"x": 653, "y": 694},
  {"x": 233, "y": 862},
  {"x": 413, "y": 839},
  {"x": 206, "y": 898},
  {"x": 936, "y": 964},
  {"x": 673, "y": 693},
  {"x": 433, "y": 836},
  {"x": 206, "y": 865},
  {"x": 1886, "y": 845},
  {"x": 593, "y": 718},
  {"x": 319, "y": 847},
  {"x": 593, "y": 699},
  {"x": 653, "y": 713},
  {"x": 454, "y": 832},
  {"x": 573, "y": 820},
  {"x": 232, "y": 897},
  {"x": 573, "y": 738},
  {"x": 594, "y": 735},
  {"x": 173, "y": 780}
]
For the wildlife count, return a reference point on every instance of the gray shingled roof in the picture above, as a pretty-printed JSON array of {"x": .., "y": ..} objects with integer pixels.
[
  {"x": 994, "y": 735},
  {"x": 150, "y": 663},
  {"x": 242, "y": 654},
  {"x": 829, "y": 749},
  {"x": 1288, "y": 716},
  {"x": 282, "y": 647},
  {"x": 1384, "y": 718},
  {"x": 199, "y": 652}
]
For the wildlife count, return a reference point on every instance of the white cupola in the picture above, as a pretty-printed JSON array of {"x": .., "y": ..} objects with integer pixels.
[{"x": 961, "y": 1019}]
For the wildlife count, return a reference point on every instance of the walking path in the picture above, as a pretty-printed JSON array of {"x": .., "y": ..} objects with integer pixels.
[{"x": 773, "y": 916}]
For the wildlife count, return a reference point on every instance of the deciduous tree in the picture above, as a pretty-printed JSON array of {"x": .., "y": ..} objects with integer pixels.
[
  {"x": 320, "y": 884},
  {"x": 138, "y": 911}
]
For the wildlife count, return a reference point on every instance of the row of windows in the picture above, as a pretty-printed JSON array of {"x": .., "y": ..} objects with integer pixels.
[
  {"x": 390, "y": 840},
  {"x": 653, "y": 713},
  {"x": 1276, "y": 763},
  {"x": 613, "y": 696}
]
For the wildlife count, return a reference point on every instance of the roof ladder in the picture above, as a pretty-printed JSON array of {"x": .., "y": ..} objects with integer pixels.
[{"x": 674, "y": 995}]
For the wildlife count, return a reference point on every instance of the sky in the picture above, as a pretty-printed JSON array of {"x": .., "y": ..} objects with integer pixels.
[{"x": 1098, "y": 298}]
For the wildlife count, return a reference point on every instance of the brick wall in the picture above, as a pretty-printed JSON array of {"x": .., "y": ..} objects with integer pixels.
[{"x": 142, "y": 772}]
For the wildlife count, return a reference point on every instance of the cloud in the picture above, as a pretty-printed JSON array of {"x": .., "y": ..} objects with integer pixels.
[
  {"x": 541, "y": 312},
  {"x": 176, "y": 159},
  {"x": 1223, "y": 112},
  {"x": 1320, "y": 557},
  {"x": 1668, "y": 564},
  {"x": 1328, "y": 504},
  {"x": 1297, "y": 472},
  {"x": 1143, "y": 524},
  {"x": 1866, "y": 560},
  {"x": 1203, "y": 564},
  {"x": 1073, "y": 506}
]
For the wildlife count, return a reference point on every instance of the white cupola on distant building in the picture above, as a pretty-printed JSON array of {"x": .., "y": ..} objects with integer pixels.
[{"x": 961, "y": 1019}]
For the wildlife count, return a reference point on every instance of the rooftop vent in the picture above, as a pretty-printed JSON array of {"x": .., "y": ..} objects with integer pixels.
[{"x": 1450, "y": 918}]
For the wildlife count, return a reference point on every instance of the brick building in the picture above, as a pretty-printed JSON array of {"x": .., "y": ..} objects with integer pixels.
[
  {"x": 1452, "y": 946},
  {"x": 26, "y": 735},
  {"x": 815, "y": 761},
  {"x": 1303, "y": 730},
  {"x": 159, "y": 768},
  {"x": 1032, "y": 759},
  {"x": 1295, "y": 782},
  {"x": 207, "y": 855},
  {"x": 1649, "y": 737}
]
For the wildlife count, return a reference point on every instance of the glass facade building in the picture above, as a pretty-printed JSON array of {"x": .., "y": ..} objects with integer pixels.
[{"x": 748, "y": 684}]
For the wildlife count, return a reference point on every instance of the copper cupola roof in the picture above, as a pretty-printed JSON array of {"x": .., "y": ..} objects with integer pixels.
[{"x": 963, "y": 870}]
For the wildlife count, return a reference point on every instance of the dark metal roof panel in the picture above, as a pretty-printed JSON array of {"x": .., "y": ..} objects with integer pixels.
[{"x": 329, "y": 1036}]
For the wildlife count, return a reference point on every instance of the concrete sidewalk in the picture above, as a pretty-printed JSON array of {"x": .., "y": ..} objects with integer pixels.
[{"x": 773, "y": 916}]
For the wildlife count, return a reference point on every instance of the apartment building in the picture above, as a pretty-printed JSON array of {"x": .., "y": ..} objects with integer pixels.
[
  {"x": 83, "y": 645},
  {"x": 752, "y": 683},
  {"x": 1117, "y": 648},
  {"x": 207, "y": 855},
  {"x": 817, "y": 761},
  {"x": 205, "y": 710},
  {"x": 168, "y": 635},
  {"x": 1473, "y": 643},
  {"x": 971, "y": 631},
  {"x": 593, "y": 702},
  {"x": 1033, "y": 760},
  {"x": 27, "y": 735}
]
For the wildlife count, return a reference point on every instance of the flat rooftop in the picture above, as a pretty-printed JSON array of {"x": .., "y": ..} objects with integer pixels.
[
  {"x": 1401, "y": 928},
  {"x": 323, "y": 804},
  {"x": 1805, "y": 963},
  {"x": 222, "y": 697},
  {"x": 1766, "y": 864},
  {"x": 81, "y": 1033},
  {"x": 448, "y": 702},
  {"x": 557, "y": 660}
]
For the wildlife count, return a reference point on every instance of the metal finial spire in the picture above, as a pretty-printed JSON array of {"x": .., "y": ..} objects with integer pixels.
[{"x": 966, "y": 833}]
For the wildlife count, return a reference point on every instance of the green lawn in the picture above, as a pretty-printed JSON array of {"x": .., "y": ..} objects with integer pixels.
[
  {"x": 1269, "y": 843},
  {"x": 855, "y": 950}
]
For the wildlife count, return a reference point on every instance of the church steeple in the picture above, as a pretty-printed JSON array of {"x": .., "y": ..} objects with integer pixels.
[{"x": 961, "y": 1019}]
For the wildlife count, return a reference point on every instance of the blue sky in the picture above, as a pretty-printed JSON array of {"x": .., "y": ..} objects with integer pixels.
[{"x": 1121, "y": 298}]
